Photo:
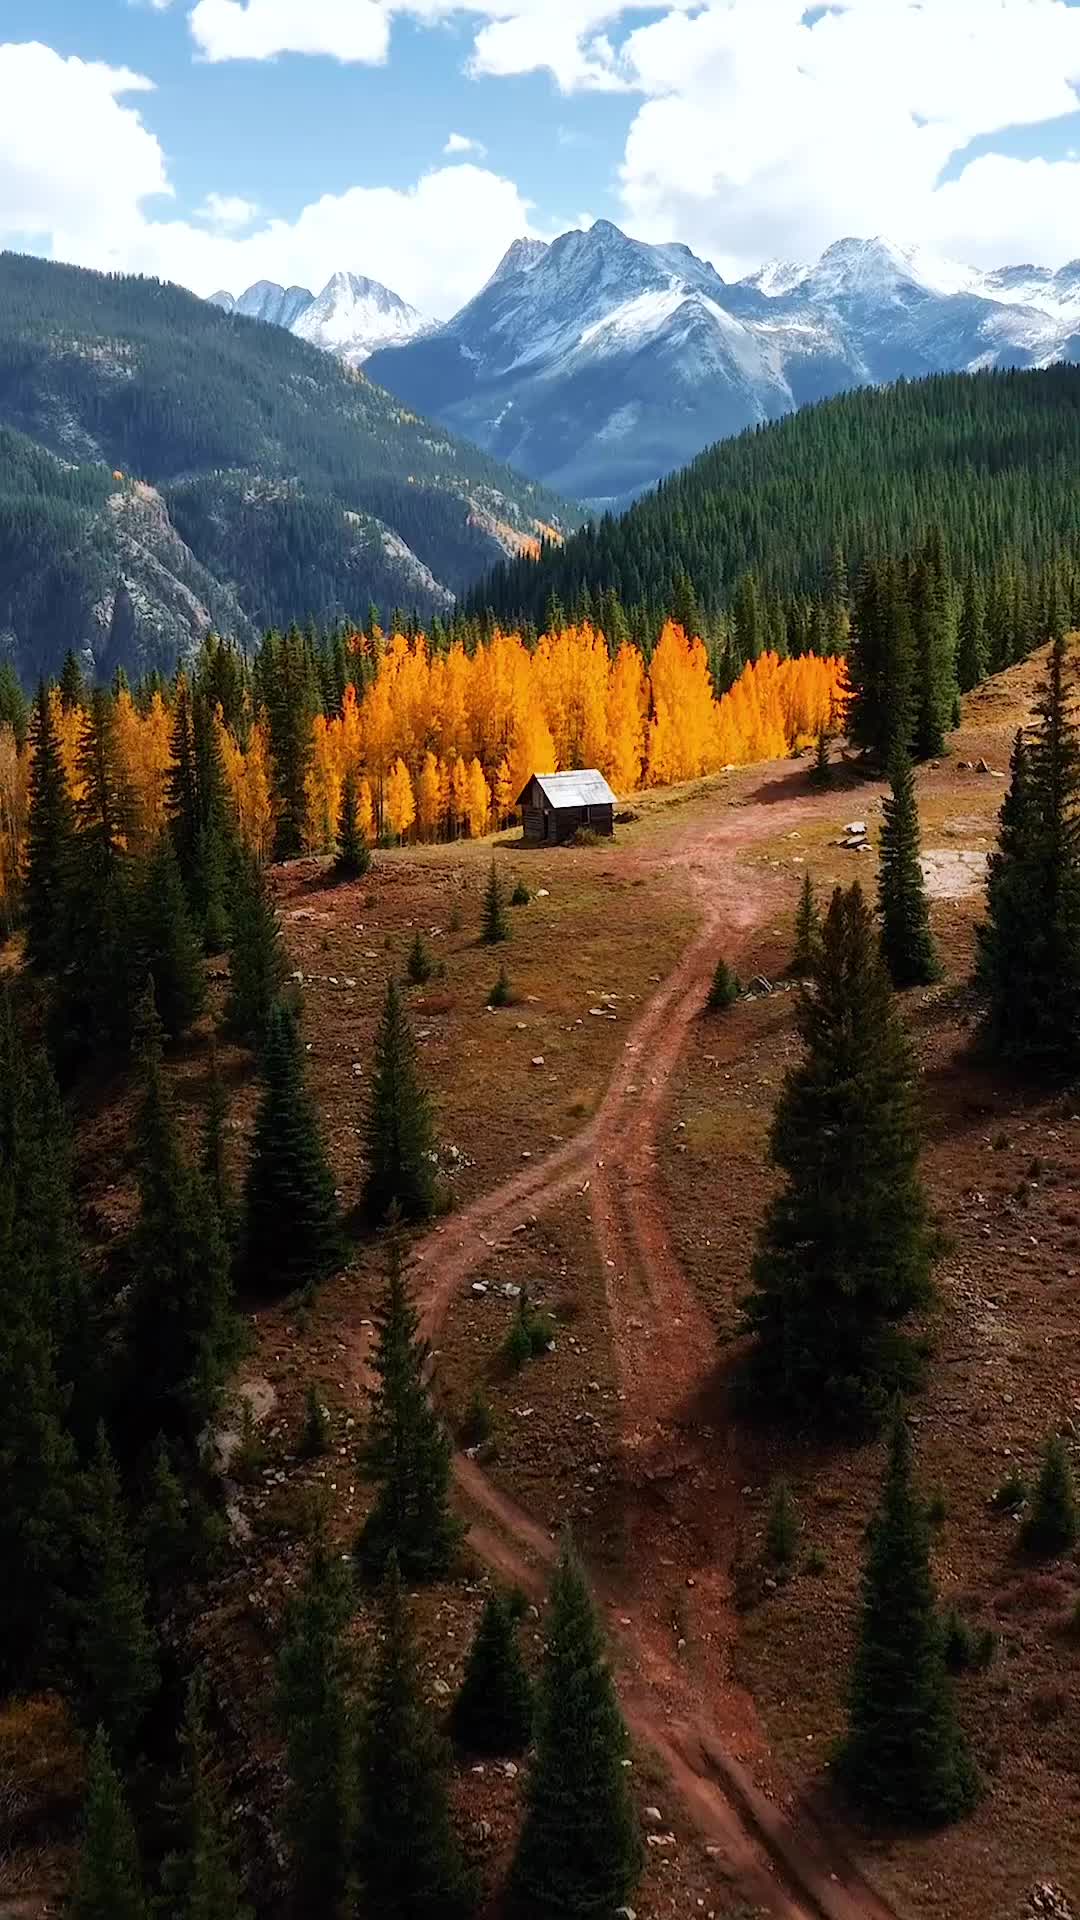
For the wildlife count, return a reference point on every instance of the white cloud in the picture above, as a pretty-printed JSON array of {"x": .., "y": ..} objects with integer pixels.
[
  {"x": 228, "y": 210},
  {"x": 763, "y": 136},
  {"x": 463, "y": 143},
  {"x": 57, "y": 113},
  {"x": 259, "y": 29}
]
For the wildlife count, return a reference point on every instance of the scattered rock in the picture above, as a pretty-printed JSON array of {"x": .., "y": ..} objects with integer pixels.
[
  {"x": 1047, "y": 1902},
  {"x": 857, "y": 828},
  {"x": 479, "y": 1288},
  {"x": 482, "y": 1831},
  {"x": 537, "y": 1060},
  {"x": 652, "y": 1816},
  {"x": 440, "y": 1687}
]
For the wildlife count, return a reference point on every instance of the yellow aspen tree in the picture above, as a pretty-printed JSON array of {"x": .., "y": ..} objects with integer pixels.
[
  {"x": 533, "y": 749},
  {"x": 459, "y": 798},
  {"x": 477, "y": 800},
  {"x": 365, "y": 810},
  {"x": 504, "y": 795},
  {"x": 427, "y": 798},
  {"x": 399, "y": 804},
  {"x": 627, "y": 717}
]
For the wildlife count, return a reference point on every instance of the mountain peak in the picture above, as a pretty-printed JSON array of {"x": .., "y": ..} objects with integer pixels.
[{"x": 520, "y": 257}]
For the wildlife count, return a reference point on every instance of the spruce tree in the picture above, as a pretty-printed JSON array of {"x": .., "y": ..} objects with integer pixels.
[
  {"x": 408, "y": 1856},
  {"x": 72, "y": 683},
  {"x": 164, "y": 1528},
  {"x": 807, "y": 952},
  {"x": 844, "y": 1252},
  {"x": 213, "y": 1160},
  {"x": 108, "y": 1883},
  {"x": 907, "y": 943},
  {"x": 934, "y": 632},
  {"x": 50, "y": 846},
  {"x": 353, "y": 857},
  {"x": 724, "y": 989},
  {"x": 1053, "y": 1525},
  {"x": 406, "y": 1451},
  {"x": 182, "y": 1331},
  {"x": 420, "y": 966},
  {"x": 291, "y": 691},
  {"x": 216, "y": 837},
  {"x": 199, "y": 1881},
  {"x": 496, "y": 923},
  {"x": 903, "y": 1755},
  {"x": 256, "y": 953},
  {"x": 579, "y": 1852},
  {"x": 113, "y": 1669},
  {"x": 1028, "y": 964},
  {"x": 181, "y": 786},
  {"x": 493, "y": 1712},
  {"x": 168, "y": 947},
  {"x": 314, "y": 1712},
  {"x": 821, "y": 771},
  {"x": 293, "y": 1223},
  {"x": 400, "y": 1130},
  {"x": 37, "y": 1459}
]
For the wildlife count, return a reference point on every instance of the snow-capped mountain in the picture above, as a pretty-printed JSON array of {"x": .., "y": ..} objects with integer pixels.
[
  {"x": 599, "y": 363},
  {"x": 351, "y": 317}
]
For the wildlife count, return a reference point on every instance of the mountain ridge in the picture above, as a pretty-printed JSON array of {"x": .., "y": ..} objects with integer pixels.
[{"x": 352, "y": 316}]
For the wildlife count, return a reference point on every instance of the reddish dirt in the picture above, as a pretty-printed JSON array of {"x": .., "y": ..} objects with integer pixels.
[{"x": 701, "y": 1724}]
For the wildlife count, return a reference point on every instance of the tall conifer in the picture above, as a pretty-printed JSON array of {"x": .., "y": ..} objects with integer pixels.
[
  {"x": 496, "y": 923},
  {"x": 406, "y": 1451},
  {"x": 493, "y": 1712},
  {"x": 182, "y": 1330},
  {"x": 293, "y": 1222},
  {"x": 903, "y": 1755},
  {"x": 108, "y": 1883},
  {"x": 353, "y": 857},
  {"x": 400, "y": 1130},
  {"x": 409, "y": 1860},
  {"x": 113, "y": 1668},
  {"x": 1028, "y": 964},
  {"x": 804, "y": 960},
  {"x": 256, "y": 954},
  {"x": 199, "y": 1880},
  {"x": 169, "y": 949},
  {"x": 313, "y": 1708},
  {"x": 580, "y": 1851},
  {"x": 844, "y": 1252},
  {"x": 907, "y": 943}
]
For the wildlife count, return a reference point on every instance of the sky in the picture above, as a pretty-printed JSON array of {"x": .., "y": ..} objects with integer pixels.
[{"x": 217, "y": 142}]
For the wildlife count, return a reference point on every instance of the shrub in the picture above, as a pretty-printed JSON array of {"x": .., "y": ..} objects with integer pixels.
[
  {"x": 1012, "y": 1493},
  {"x": 315, "y": 1438},
  {"x": 521, "y": 895},
  {"x": 530, "y": 1335},
  {"x": 782, "y": 1528},
  {"x": 478, "y": 1422},
  {"x": 501, "y": 994}
]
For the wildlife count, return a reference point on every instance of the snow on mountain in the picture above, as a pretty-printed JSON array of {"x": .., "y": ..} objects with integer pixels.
[
  {"x": 351, "y": 317},
  {"x": 598, "y": 363}
]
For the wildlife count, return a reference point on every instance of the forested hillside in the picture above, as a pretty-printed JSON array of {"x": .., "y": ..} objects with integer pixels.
[
  {"x": 168, "y": 468},
  {"x": 785, "y": 511}
]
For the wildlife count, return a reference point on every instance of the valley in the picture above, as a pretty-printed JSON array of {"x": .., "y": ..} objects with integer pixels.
[{"x": 628, "y": 1216}]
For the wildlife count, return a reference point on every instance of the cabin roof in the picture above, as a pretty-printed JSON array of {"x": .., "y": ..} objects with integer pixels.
[{"x": 583, "y": 788}]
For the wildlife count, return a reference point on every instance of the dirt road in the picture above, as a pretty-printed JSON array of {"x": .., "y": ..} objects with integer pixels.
[{"x": 671, "y": 1629}]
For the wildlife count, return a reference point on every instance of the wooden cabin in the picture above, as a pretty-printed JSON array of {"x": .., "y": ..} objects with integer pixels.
[{"x": 554, "y": 806}]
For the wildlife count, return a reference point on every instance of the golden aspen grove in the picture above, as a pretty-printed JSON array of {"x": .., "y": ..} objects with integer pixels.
[{"x": 442, "y": 743}]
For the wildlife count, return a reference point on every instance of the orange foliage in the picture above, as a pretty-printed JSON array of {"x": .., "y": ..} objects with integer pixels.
[{"x": 444, "y": 745}]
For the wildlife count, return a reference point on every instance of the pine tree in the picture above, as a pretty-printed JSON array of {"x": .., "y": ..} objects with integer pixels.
[
  {"x": 108, "y": 1883},
  {"x": 420, "y": 966},
  {"x": 493, "y": 1711},
  {"x": 725, "y": 988},
  {"x": 165, "y": 1530},
  {"x": 1053, "y": 1525},
  {"x": 400, "y": 1131},
  {"x": 181, "y": 787},
  {"x": 293, "y": 1222},
  {"x": 37, "y": 1460},
  {"x": 213, "y": 1162},
  {"x": 496, "y": 924},
  {"x": 579, "y": 1852},
  {"x": 50, "y": 846},
  {"x": 1028, "y": 964},
  {"x": 934, "y": 631},
  {"x": 409, "y": 1860},
  {"x": 182, "y": 1332},
  {"x": 113, "y": 1660},
  {"x": 256, "y": 954},
  {"x": 406, "y": 1451},
  {"x": 907, "y": 943},
  {"x": 844, "y": 1252},
  {"x": 353, "y": 857},
  {"x": 199, "y": 1881},
  {"x": 291, "y": 686},
  {"x": 502, "y": 994},
  {"x": 807, "y": 952},
  {"x": 216, "y": 838},
  {"x": 168, "y": 947},
  {"x": 313, "y": 1708},
  {"x": 904, "y": 1755},
  {"x": 72, "y": 683}
]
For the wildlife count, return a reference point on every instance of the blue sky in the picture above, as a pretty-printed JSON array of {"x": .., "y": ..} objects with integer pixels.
[{"x": 224, "y": 140}]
